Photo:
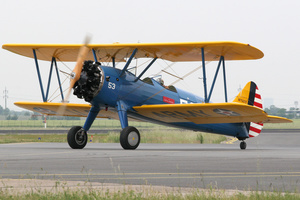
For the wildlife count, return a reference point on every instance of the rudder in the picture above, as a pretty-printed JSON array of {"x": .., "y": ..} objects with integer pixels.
[{"x": 250, "y": 95}]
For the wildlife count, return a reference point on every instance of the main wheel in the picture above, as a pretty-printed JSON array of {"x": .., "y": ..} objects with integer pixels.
[
  {"x": 130, "y": 138},
  {"x": 77, "y": 137},
  {"x": 243, "y": 145}
]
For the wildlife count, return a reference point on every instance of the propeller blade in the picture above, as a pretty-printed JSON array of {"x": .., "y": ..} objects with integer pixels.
[{"x": 75, "y": 75}]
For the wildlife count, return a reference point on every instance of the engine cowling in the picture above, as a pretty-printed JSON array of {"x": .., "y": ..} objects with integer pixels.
[{"x": 90, "y": 82}]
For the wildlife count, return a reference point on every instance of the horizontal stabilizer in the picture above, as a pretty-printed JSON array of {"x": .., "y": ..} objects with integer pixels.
[{"x": 276, "y": 119}]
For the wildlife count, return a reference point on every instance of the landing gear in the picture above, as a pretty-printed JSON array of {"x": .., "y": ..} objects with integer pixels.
[
  {"x": 243, "y": 145},
  {"x": 130, "y": 138},
  {"x": 77, "y": 137}
]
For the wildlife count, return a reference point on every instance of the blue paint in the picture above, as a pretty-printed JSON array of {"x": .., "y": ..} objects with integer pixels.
[
  {"x": 128, "y": 93},
  {"x": 114, "y": 62},
  {"x": 91, "y": 117},
  {"x": 122, "y": 112},
  {"x": 151, "y": 63},
  {"x": 58, "y": 79},
  {"x": 128, "y": 62},
  {"x": 224, "y": 76},
  {"x": 39, "y": 76},
  {"x": 94, "y": 54},
  {"x": 204, "y": 76},
  {"x": 49, "y": 79},
  {"x": 214, "y": 81}
]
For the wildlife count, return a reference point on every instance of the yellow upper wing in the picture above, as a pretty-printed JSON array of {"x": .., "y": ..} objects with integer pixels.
[
  {"x": 175, "y": 52},
  {"x": 200, "y": 113}
]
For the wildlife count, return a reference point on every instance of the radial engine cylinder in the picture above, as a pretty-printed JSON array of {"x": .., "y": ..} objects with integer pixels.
[{"x": 90, "y": 82}]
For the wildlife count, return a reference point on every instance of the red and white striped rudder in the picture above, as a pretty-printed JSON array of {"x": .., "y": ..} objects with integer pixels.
[
  {"x": 255, "y": 128},
  {"x": 250, "y": 95}
]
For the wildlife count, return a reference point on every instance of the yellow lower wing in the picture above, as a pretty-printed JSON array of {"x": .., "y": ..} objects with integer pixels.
[
  {"x": 70, "y": 109},
  {"x": 208, "y": 113},
  {"x": 198, "y": 113}
]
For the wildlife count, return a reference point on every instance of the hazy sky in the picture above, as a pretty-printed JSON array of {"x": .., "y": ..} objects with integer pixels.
[{"x": 273, "y": 26}]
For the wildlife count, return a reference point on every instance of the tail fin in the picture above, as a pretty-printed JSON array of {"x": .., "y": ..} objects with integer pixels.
[{"x": 250, "y": 95}]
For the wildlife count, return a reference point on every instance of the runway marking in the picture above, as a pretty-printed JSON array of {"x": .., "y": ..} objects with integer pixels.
[{"x": 231, "y": 141}]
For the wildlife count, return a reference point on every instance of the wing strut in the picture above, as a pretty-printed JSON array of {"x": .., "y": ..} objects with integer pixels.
[
  {"x": 204, "y": 76},
  {"x": 59, "y": 82},
  {"x": 53, "y": 62},
  {"x": 154, "y": 59},
  {"x": 94, "y": 54},
  {"x": 221, "y": 61},
  {"x": 39, "y": 76},
  {"x": 129, "y": 61},
  {"x": 224, "y": 77},
  {"x": 114, "y": 62}
]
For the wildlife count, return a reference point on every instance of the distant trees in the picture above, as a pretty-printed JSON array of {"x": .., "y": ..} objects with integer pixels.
[
  {"x": 12, "y": 117},
  {"x": 282, "y": 112},
  {"x": 5, "y": 111}
]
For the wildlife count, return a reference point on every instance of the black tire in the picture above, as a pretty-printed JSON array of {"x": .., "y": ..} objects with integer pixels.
[
  {"x": 130, "y": 138},
  {"x": 243, "y": 145},
  {"x": 77, "y": 137}
]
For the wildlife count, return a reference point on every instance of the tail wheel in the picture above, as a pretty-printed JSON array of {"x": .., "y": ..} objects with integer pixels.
[
  {"x": 130, "y": 138},
  {"x": 243, "y": 145},
  {"x": 77, "y": 137}
]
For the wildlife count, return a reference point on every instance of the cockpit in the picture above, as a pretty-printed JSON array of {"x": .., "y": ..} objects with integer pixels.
[{"x": 160, "y": 81}]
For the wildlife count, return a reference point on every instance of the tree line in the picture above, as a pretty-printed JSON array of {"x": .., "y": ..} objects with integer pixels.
[{"x": 292, "y": 113}]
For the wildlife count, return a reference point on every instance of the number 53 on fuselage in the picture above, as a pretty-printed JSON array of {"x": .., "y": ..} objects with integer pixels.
[{"x": 118, "y": 93}]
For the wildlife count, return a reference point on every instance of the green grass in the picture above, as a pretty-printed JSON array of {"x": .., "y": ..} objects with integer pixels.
[
  {"x": 151, "y": 133},
  {"x": 154, "y": 136},
  {"x": 108, "y": 124},
  {"x": 294, "y": 125},
  {"x": 100, "y": 123},
  {"x": 133, "y": 195}
]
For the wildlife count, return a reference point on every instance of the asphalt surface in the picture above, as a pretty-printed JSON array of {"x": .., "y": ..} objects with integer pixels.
[{"x": 270, "y": 162}]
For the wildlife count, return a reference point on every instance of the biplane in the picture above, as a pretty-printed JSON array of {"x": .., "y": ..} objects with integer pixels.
[{"x": 115, "y": 92}]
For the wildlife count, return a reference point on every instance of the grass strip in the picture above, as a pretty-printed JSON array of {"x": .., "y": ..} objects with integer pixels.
[
  {"x": 109, "y": 124},
  {"x": 134, "y": 195},
  {"x": 154, "y": 136}
]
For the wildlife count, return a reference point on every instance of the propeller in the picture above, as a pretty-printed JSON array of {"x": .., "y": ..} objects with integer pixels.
[{"x": 75, "y": 75}]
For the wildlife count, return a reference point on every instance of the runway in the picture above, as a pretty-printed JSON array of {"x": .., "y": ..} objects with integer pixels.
[{"x": 270, "y": 162}]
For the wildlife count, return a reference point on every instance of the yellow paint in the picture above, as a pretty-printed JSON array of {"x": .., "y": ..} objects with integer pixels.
[
  {"x": 243, "y": 96},
  {"x": 231, "y": 141},
  {"x": 175, "y": 52},
  {"x": 69, "y": 109},
  {"x": 276, "y": 119},
  {"x": 201, "y": 113}
]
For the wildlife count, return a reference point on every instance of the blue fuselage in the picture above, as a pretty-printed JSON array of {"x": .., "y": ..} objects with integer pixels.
[{"x": 132, "y": 92}]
